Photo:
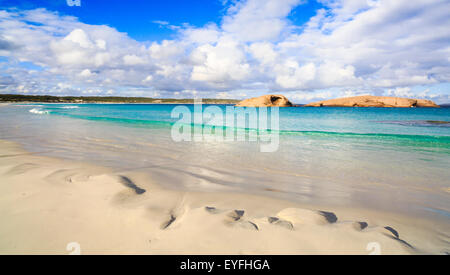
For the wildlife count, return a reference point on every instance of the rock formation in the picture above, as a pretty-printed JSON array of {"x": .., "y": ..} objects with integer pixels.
[
  {"x": 374, "y": 101},
  {"x": 266, "y": 101}
]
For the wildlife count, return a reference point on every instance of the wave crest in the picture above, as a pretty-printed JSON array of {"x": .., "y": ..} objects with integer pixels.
[
  {"x": 70, "y": 107},
  {"x": 38, "y": 111}
]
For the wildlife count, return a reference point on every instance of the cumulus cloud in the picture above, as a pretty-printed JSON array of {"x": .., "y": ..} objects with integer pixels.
[
  {"x": 219, "y": 64},
  {"x": 255, "y": 20},
  {"x": 348, "y": 47}
]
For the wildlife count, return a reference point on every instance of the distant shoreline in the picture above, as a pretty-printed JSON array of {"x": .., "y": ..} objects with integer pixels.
[
  {"x": 44, "y": 99},
  {"x": 27, "y": 99},
  {"x": 134, "y": 103}
]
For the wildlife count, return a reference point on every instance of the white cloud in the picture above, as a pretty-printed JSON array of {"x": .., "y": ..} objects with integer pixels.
[
  {"x": 208, "y": 34},
  {"x": 160, "y": 22},
  {"x": 264, "y": 52},
  {"x": 86, "y": 73},
  {"x": 255, "y": 20},
  {"x": 219, "y": 64},
  {"x": 400, "y": 92},
  {"x": 149, "y": 78},
  {"x": 292, "y": 75},
  {"x": 166, "y": 51},
  {"x": 131, "y": 59},
  {"x": 223, "y": 95},
  {"x": 79, "y": 37}
]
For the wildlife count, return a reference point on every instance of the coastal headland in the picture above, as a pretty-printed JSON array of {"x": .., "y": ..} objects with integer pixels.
[{"x": 374, "y": 101}]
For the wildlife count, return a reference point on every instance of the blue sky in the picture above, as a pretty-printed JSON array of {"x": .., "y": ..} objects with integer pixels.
[
  {"x": 133, "y": 17},
  {"x": 307, "y": 50},
  {"x": 137, "y": 17}
]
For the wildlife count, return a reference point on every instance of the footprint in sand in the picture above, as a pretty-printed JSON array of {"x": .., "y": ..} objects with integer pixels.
[
  {"x": 298, "y": 217},
  {"x": 21, "y": 169},
  {"x": 287, "y": 218},
  {"x": 130, "y": 184},
  {"x": 234, "y": 218},
  {"x": 213, "y": 210},
  {"x": 236, "y": 215},
  {"x": 392, "y": 233},
  {"x": 166, "y": 224},
  {"x": 387, "y": 231},
  {"x": 129, "y": 195},
  {"x": 68, "y": 176},
  {"x": 358, "y": 226},
  {"x": 291, "y": 218},
  {"x": 175, "y": 215},
  {"x": 279, "y": 222}
]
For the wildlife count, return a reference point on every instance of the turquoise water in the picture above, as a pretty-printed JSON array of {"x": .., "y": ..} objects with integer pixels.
[
  {"x": 391, "y": 159},
  {"x": 415, "y": 127},
  {"x": 329, "y": 120}
]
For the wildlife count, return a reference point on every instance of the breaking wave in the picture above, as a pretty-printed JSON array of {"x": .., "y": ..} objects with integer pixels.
[
  {"x": 38, "y": 111},
  {"x": 70, "y": 107}
]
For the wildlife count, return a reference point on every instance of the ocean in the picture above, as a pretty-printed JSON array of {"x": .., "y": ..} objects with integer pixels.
[{"x": 388, "y": 159}]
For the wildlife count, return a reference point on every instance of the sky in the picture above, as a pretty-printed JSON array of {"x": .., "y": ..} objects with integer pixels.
[{"x": 307, "y": 50}]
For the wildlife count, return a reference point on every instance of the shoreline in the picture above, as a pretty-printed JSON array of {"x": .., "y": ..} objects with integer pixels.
[
  {"x": 50, "y": 202},
  {"x": 134, "y": 103},
  {"x": 204, "y": 103}
]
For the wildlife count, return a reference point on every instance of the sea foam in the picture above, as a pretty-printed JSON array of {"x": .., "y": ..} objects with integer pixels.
[
  {"x": 38, "y": 111},
  {"x": 25, "y": 105},
  {"x": 70, "y": 107}
]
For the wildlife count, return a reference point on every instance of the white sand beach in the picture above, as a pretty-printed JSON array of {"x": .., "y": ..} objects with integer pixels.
[{"x": 47, "y": 203}]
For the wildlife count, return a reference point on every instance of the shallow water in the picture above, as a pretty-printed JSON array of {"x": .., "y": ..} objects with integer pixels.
[{"x": 387, "y": 159}]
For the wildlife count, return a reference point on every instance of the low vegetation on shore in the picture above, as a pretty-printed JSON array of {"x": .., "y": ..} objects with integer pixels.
[{"x": 100, "y": 99}]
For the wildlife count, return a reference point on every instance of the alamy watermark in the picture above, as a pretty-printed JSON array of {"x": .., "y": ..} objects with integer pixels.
[
  {"x": 74, "y": 248},
  {"x": 228, "y": 124},
  {"x": 73, "y": 3},
  {"x": 374, "y": 248}
]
